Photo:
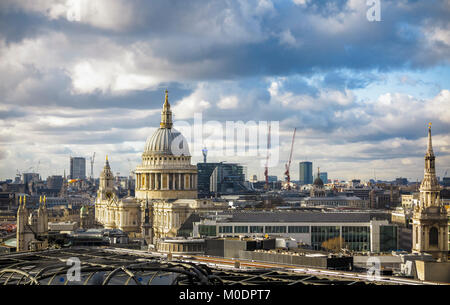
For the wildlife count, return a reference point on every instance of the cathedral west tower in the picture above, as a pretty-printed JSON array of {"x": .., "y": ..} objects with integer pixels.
[{"x": 430, "y": 224}]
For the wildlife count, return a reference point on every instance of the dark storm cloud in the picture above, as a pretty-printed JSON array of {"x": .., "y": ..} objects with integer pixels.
[
  {"x": 15, "y": 26},
  {"x": 193, "y": 31}
]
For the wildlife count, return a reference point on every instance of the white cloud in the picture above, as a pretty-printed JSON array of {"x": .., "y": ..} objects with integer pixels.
[
  {"x": 188, "y": 106},
  {"x": 228, "y": 102},
  {"x": 301, "y": 2},
  {"x": 287, "y": 38}
]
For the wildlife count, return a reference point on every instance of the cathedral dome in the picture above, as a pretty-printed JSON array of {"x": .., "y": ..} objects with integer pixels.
[
  {"x": 318, "y": 182},
  {"x": 167, "y": 141}
]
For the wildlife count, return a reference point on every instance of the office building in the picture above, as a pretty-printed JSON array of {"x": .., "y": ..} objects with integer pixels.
[
  {"x": 228, "y": 178},
  {"x": 305, "y": 175},
  {"x": 204, "y": 171},
  {"x": 358, "y": 231},
  {"x": 77, "y": 168},
  {"x": 324, "y": 177}
]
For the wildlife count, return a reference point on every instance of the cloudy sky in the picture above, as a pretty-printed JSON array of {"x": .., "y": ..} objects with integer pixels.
[{"x": 78, "y": 77}]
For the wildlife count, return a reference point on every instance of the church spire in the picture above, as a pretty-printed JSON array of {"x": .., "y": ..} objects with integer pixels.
[
  {"x": 166, "y": 114},
  {"x": 430, "y": 145},
  {"x": 429, "y": 183}
]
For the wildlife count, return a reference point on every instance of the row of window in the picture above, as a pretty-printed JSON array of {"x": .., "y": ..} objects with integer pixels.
[{"x": 259, "y": 229}]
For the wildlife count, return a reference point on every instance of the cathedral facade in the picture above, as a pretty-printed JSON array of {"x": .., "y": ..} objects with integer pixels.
[
  {"x": 430, "y": 223},
  {"x": 165, "y": 191}
]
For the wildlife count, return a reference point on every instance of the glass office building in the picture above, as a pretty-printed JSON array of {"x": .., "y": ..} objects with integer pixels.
[{"x": 305, "y": 175}]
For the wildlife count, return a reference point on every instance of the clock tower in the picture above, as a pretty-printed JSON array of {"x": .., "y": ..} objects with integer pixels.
[{"x": 106, "y": 188}]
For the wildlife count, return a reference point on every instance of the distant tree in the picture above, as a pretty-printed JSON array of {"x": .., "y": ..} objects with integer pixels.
[{"x": 334, "y": 244}]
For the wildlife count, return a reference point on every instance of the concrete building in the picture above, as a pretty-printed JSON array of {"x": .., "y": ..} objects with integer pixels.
[
  {"x": 357, "y": 231},
  {"x": 77, "y": 168},
  {"x": 305, "y": 173},
  {"x": 409, "y": 201},
  {"x": 181, "y": 246}
]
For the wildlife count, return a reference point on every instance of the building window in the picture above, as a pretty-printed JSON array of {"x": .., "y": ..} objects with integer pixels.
[
  {"x": 356, "y": 238},
  {"x": 225, "y": 229},
  {"x": 241, "y": 229},
  {"x": 275, "y": 229},
  {"x": 320, "y": 234},
  {"x": 205, "y": 230},
  {"x": 298, "y": 229},
  {"x": 256, "y": 229}
]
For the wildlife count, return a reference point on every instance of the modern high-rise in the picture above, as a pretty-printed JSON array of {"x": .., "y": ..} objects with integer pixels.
[
  {"x": 305, "y": 175},
  {"x": 203, "y": 181},
  {"x": 77, "y": 168},
  {"x": 324, "y": 177},
  {"x": 227, "y": 178}
]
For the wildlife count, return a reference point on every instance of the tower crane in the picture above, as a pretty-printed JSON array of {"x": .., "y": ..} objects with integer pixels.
[
  {"x": 266, "y": 169},
  {"x": 288, "y": 165}
]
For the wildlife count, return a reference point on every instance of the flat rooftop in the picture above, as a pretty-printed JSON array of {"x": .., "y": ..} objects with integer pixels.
[{"x": 301, "y": 216}]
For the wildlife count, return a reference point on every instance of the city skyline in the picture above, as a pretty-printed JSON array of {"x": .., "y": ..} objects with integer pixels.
[{"x": 359, "y": 93}]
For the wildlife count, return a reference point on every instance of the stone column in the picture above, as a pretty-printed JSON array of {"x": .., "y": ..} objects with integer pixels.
[{"x": 187, "y": 181}]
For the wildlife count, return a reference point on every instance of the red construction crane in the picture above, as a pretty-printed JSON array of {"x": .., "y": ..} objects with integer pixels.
[
  {"x": 266, "y": 170},
  {"x": 288, "y": 177}
]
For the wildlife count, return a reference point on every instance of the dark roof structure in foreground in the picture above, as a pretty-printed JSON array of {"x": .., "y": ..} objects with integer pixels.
[{"x": 104, "y": 266}]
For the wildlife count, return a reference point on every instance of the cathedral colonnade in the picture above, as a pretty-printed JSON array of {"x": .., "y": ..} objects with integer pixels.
[{"x": 157, "y": 181}]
